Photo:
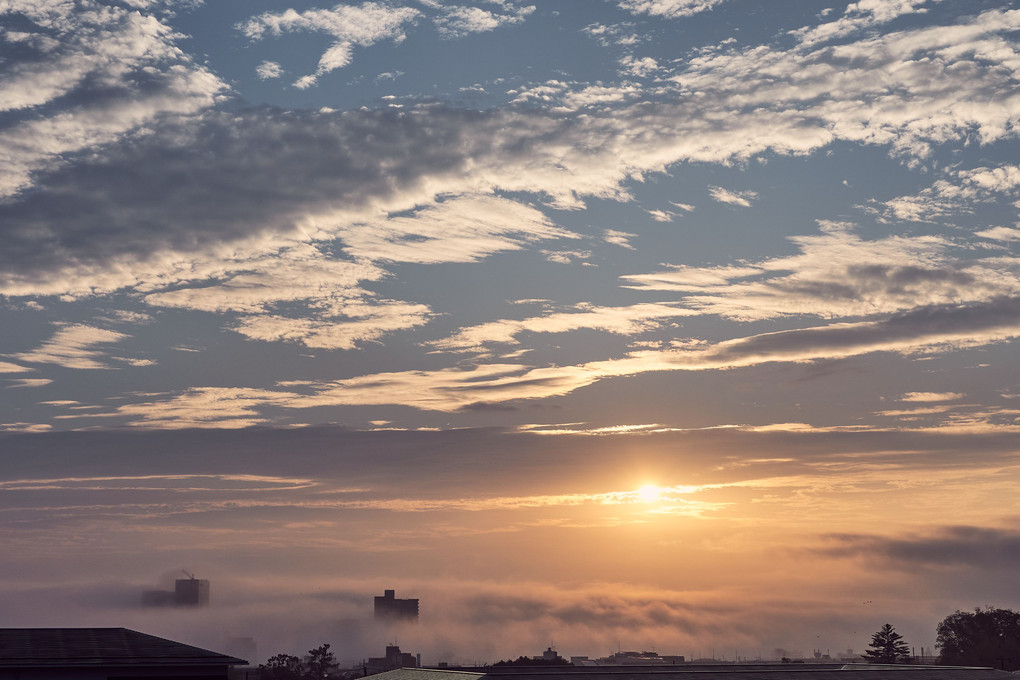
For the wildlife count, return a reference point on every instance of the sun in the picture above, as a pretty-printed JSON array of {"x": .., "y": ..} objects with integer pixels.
[{"x": 649, "y": 493}]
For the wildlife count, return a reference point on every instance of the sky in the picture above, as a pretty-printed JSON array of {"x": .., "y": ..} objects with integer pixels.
[{"x": 686, "y": 325}]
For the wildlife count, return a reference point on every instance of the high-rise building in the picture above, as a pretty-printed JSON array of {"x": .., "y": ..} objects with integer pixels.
[
  {"x": 191, "y": 592},
  {"x": 388, "y": 607}
]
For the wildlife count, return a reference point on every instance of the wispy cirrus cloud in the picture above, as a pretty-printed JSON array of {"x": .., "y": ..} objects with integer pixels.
[
  {"x": 739, "y": 198},
  {"x": 25, "y": 427},
  {"x": 932, "y": 396},
  {"x": 619, "y": 320},
  {"x": 73, "y": 346},
  {"x": 937, "y": 328},
  {"x": 27, "y": 382}
]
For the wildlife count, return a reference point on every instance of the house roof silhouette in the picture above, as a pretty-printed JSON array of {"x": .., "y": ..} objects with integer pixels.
[{"x": 104, "y": 652}]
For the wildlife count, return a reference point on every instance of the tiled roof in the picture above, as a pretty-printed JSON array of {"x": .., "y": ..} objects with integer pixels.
[{"x": 20, "y": 647}]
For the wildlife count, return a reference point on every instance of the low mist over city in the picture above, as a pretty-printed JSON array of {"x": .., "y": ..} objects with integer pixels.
[{"x": 467, "y": 331}]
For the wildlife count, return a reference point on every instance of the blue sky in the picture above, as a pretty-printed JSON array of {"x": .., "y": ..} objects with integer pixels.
[{"x": 644, "y": 222}]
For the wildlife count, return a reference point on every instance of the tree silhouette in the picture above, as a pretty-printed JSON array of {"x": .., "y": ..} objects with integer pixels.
[
  {"x": 887, "y": 646},
  {"x": 281, "y": 667},
  {"x": 320, "y": 662},
  {"x": 984, "y": 637}
]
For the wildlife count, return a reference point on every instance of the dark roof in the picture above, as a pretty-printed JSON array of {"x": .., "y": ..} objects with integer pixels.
[
  {"x": 747, "y": 672},
  {"x": 39, "y": 647}
]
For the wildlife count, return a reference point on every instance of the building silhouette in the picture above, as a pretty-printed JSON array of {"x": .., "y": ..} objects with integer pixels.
[
  {"x": 191, "y": 592},
  {"x": 393, "y": 660},
  {"x": 187, "y": 592},
  {"x": 389, "y": 608}
]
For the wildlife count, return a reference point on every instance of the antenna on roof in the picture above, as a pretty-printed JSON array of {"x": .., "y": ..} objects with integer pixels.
[{"x": 188, "y": 574}]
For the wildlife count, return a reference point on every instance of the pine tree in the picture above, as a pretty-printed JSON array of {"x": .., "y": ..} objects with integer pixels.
[{"x": 887, "y": 646}]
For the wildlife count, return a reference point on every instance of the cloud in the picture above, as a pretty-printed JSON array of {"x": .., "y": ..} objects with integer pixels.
[
  {"x": 464, "y": 229},
  {"x": 639, "y": 68},
  {"x": 338, "y": 166},
  {"x": 670, "y": 9},
  {"x": 566, "y": 256},
  {"x": 838, "y": 274},
  {"x": 579, "y": 429},
  {"x": 363, "y": 25},
  {"x": 349, "y": 326},
  {"x": 27, "y": 382},
  {"x": 268, "y": 70},
  {"x": 619, "y": 320},
  {"x": 348, "y": 25},
  {"x": 352, "y": 192},
  {"x": 456, "y": 22},
  {"x": 999, "y": 233},
  {"x": 85, "y": 76},
  {"x": 8, "y": 367},
  {"x": 619, "y": 238},
  {"x": 25, "y": 427},
  {"x": 741, "y": 198},
  {"x": 334, "y": 311},
  {"x": 956, "y": 194},
  {"x": 618, "y": 34},
  {"x": 932, "y": 396},
  {"x": 204, "y": 407},
  {"x": 947, "y": 547},
  {"x": 324, "y": 178},
  {"x": 797, "y": 85},
  {"x": 857, "y": 16},
  {"x": 71, "y": 347},
  {"x": 926, "y": 329}
]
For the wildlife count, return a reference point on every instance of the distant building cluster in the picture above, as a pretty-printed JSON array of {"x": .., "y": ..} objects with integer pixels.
[
  {"x": 639, "y": 659},
  {"x": 389, "y": 608},
  {"x": 187, "y": 592},
  {"x": 393, "y": 660}
]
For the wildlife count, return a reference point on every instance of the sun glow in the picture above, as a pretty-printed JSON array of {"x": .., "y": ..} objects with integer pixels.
[{"x": 649, "y": 493}]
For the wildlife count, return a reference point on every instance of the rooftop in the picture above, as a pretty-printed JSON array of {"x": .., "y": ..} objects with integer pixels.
[
  {"x": 23, "y": 647},
  {"x": 711, "y": 672}
]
